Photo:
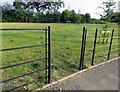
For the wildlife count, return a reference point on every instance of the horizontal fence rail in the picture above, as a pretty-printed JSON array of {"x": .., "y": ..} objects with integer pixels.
[
  {"x": 12, "y": 29},
  {"x": 21, "y": 86},
  {"x": 23, "y": 63},
  {"x": 24, "y": 47},
  {"x": 47, "y": 58},
  {"x": 22, "y": 75}
]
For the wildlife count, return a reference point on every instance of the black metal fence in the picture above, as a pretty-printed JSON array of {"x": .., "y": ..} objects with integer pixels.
[
  {"x": 83, "y": 45},
  {"x": 47, "y": 58}
]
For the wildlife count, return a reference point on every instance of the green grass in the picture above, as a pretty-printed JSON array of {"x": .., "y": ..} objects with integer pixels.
[{"x": 66, "y": 47}]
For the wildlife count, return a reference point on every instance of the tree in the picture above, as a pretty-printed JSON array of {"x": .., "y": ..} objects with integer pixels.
[
  {"x": 65, "y": 16},
  {"x": 43, "y": 5},
  {"x": 108, "y": 9},
  {"x": 83, "y": 20},
  {"x": 56, "y": 17},
  {"x": 23, "y": 13},
  {"x": 87, "y": 17},
  {"x": 8, "y": 14},
  {"x": 115, "y": 17},
  {"x": 20, "y": 12},
  {"x": 73, "y": 17},
  {"x": 78, "y": 18}
]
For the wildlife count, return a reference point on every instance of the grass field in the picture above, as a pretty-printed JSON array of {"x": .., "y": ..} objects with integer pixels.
[{"x": 66, "y": 46}]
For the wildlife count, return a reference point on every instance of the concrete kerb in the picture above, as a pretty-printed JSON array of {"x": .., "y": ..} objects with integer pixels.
[{"x": 79, "y": 72}]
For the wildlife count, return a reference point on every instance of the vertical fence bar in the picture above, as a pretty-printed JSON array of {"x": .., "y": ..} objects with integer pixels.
[
  {"x": 46, "y": 53},
  {"x": 82, "y": 48},
  {"x": 93, "y": 55},
  {"x": 110, "y": 45},
  {"x": 85, "y": 34},
  {"x": 81, "y": 57},
  {"x": 49, "y": 54}
]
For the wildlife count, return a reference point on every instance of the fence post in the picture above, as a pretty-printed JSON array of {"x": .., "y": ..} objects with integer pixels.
[
  {"x": 93, "y": 55},
  {"x": 110, "y": 45},
  {"x": 46, "y": 53},
  {"x": 49, "y": 54},
  {"x": 83, "y": 48}
]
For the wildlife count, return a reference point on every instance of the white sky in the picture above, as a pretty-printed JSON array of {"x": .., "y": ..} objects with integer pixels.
[{"x": 85, "y": 6}]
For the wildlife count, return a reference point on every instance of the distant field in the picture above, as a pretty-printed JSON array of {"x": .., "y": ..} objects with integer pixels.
[{"x": 66, "y": 46}]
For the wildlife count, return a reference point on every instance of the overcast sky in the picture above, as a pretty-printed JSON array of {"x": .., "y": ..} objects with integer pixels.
[{"x": 85, "y": 6}]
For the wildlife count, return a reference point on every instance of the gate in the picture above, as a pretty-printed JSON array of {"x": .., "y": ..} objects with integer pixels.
[{"x": 47, "y": 59}]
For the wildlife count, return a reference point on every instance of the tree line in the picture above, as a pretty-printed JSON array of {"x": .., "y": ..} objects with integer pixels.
[{"x": 48, "y": 12}]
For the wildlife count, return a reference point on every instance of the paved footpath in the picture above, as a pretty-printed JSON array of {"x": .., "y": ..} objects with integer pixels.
[{"x": 103, "y": 77}]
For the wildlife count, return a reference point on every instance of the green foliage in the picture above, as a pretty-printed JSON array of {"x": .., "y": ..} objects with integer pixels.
[
  {"x": 65, "y": 16},
  {"x": 42, "y": 5},
  {"x": 24, "y": 12},
  {"x": 47, "y": 12},
  {"x": 87, "y": 17},
  {"x": 78, "y": 18},
  {"x": 97, "y": 21},
  {"x": 115, "y": 17},
  {"x": 108, "y": 9}
]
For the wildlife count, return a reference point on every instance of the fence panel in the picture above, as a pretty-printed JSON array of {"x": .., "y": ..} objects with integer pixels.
[
  {"x": 102, "y": 48},
  {"x": 47, "y": 59}
]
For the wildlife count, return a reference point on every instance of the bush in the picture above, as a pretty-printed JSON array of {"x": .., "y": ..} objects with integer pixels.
[{"x": 97, "y": 21}]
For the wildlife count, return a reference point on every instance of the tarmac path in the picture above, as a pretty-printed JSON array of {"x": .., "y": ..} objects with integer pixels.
[{"x": 102, "y": 77}]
